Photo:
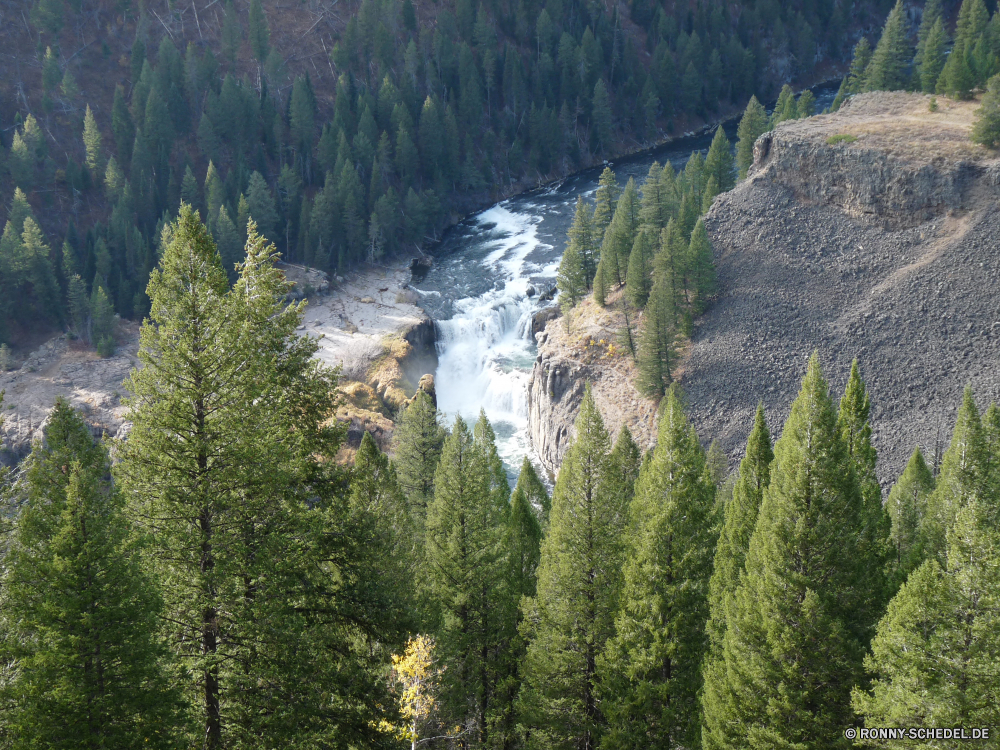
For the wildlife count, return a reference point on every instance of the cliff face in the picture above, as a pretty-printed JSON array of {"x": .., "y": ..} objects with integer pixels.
[
  {"x": 589, "y": 352},
  {"x": 867, "y": 233}
]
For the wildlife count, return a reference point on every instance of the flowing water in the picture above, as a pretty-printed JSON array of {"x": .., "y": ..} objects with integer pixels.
[{"x": 484, "y": 287}]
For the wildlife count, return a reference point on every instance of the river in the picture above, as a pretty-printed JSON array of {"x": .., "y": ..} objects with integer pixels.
[{"x": 479, "y": 290}]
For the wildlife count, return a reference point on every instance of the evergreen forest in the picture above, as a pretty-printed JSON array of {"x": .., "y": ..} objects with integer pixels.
[
  {"x": 348, "y": 134},
  {"x": 218, "y": 580}
]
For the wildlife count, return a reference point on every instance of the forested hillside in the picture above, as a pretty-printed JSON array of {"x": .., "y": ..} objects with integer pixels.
[{"x": 347, "y": 132}]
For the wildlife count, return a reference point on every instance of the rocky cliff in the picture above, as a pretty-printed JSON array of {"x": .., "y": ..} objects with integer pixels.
[
  {"x": 588, "y": 350},
  {"x": 867, "y": 233}
]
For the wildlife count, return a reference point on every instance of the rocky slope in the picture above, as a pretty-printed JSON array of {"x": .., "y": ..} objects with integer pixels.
[{"x": 879, "y": 245}]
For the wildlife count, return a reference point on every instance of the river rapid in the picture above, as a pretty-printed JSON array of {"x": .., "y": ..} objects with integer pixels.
[{"x": 484, "y": 287}]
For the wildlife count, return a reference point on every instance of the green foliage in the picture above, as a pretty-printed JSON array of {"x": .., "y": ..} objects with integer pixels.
[
  {"x": 719, "y": 162},
  {"x": 571, "y": 619},
  {"x": 640, "y": 264},
  {"x": 856, "y": 76},
  {"x": 530, "y": 485},
  {"x": 416, "y": 449},
  {"x": 102, "y": 322},
  {"x": 259, "y": 34},
  {"x": 932, "y": 59},
  {"x": 620, "y": 236},
  {"x": 934, "y": 658},
  {"x": 986, "y": 128},
  {"x": 753, "y": 124},
  {"x": 574, "y": 277},
  {"x": 467, "y": 570},
  {"x": 651, "y": 669},
  {"x": 797, "y": 629},
  {"x": 833, "y": 140},
  {"x": 251, "y": 497},
  {"x": 92, "y": 140},
  {"x": 887, "y": 69},
  {"x": 907, "y": 507},
  {"x": 79, "y": 613},
  {"x": 702, "y": 267}
]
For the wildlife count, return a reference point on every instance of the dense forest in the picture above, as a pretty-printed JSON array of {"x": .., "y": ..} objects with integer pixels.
[
  {"x": 224, "y": 583},
  {"x": 113, "y": 114},
  {"x": 216, "y": 579}
]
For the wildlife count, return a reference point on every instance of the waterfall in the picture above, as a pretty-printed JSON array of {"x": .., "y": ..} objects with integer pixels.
[{"x": 486, "y": 349}]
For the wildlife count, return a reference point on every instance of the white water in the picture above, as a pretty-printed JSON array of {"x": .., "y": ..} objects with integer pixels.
[{"x": 485, "y": 350}]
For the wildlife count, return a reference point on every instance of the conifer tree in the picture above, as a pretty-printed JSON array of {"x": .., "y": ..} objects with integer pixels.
[
  {"x": 243, "y": 512},
  {"x": 570, "y": 620},
  {"x": 887, "y": 70},
  {"x": 719, "y": 162},
  {"x": 102, "y": 322},
  {"x": 806, "y": 105},
  {"x": 960, "y": 480},
  {"x": 658, "y": 338},
  {"x": 907, "y": 507},
  {"x": 640, "y": 263},
  {"x": 601, "y": 118},
  {"x": 601, "y": 284},
  {"x": 986, "y": 128},
  {"x": 932, "y": 60},
  {"x": 799, "y": 622},
  {"x": 740, "y": 518},
  {"x": 856, "y": 432},
  {"x": 260, "y": 204},
  {"x": 606, "y": 201},
  {"x": 651, "y": 669},
  {"x": 466, "y": 566},
  {"x": 573, "y": 278},
  {"x": 259, "y": 32},
  {"x": 620, "y": 236},
  {"x": 537, "y": 497},
  {"x": 92, "y": 140},
  {"x": 78, "y": 612},
  {"x": 624, "y": 463},
  {"x": 702, "y": 267},
  {"x": 652, "y": 213},
  {"x": 785, "y": 108},
  {"x": 485, "y": 441},
  {"x": 416, "y": 449},
  {"x": 227, "y": 238},
  {"x": 753, "y": 124},
  {"x": 934, "y": 658},
  {"x": 859, "y": 66}
]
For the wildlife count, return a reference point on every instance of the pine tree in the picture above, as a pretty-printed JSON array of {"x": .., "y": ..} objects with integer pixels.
[
  {"x": 651, "y": 669},
  {"x": 719, "y": 162},
  {"x": 960, "y": 480},
  {"x": 416, "y": 449},
  {"x": 907, "y": 507},
  {"x": 986, "y": 128},
  {"x": 601, "y": 284},
  {"x": 537, "y": 497},
  {"x": 806, "y": 106},
  {"x": 606, "y": 201},
  {"x": 466, "y": 572},
  {"x": 785, "y": 108},
  {"x": 92, "y": 140},
  {"x": 640, "y": 264},
  {"x": 856, "y": 432},
  {"x": 601, "y": 118},
  {"x": 799, "y": 622},
  {"x": 934, "y": 658},
  {"x": 740, "y": 518},
  {"x": 228, "y": 242},
  {"x": 620, "y": 236},
  {"x": 261, "y": 207},
  {"x": 214, "y": 191},
  {"x": 753, "y": 124},
  {"x": 102, "y": 322},
  {"x": 702, "y": 267},
  {"x": 574, "y": 277},
  {"x": 929, "y": 18},
  {"x": 249, "y": 495},
  {"x": 856, "y": 80},
  {"x": 78, "y": 612},
  {"x": 259, "y": 32},
  {"x": 933, "y": 58},
  {"x": 658, "y": 338},
  {"x": 887, "y": 70},
  {"x": 572, "y": 616},
  {"x": 653, "y": 214}
]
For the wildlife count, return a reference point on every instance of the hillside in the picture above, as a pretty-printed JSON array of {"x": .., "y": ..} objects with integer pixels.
[
  {"x": 880, "y": 249},
  {"x": 865, "y": 233},
  {"x": 348, "y": 132}
]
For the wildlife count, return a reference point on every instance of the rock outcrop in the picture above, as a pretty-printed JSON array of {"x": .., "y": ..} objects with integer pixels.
[
  {"x": 567, "y": 360},
  {"x": 867, "y": 233}
]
